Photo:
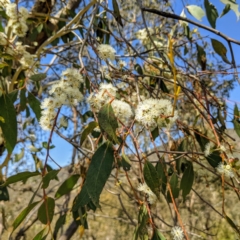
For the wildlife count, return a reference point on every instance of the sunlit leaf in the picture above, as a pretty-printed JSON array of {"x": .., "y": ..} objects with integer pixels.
[
  {"x": 38, "y": 77},
  {"x": 220, "y": 49},
  {"x": 196, "y": 11},
  {"x": 39, "y": 235},
  {"x": 233, "y": 5}
]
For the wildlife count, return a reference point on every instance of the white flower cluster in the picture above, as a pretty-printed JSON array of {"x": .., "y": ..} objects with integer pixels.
[
  {"x": 17, "y": 18},
  {"x": 225, "y": 169},
  {"x": 143, "y": 36},
  {"x": 65, "y": 92},
  {"x": 177, "y": 233},
  {"x": 143, "y": 187},
  {"x": 106, "y": 51},
  {"x": 208, "y": 149},
  {"x": 27, "y": 60},
  {"x": 152, "y": 111},
  {"x": 107, "y": 92}
]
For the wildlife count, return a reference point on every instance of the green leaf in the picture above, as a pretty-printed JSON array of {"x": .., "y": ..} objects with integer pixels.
[
  {"x": 39, "y": 235},
  {"x": 1, "y": 28},
  {"x": 23, "y": 215},
  {"x": 48, "y": 177},
  {"x": 236, "y": 120},
  {"x": 97, "y": 175},
  {"x": 233, "y": 6},
  {"x": 13, "y": 95},
  {"x": 214, "y": 158},
  {"x": 59, "y": 224},
  {"x": 80, "y": 216},
  {"x": 126, "y": 163},
  {"x": 138, "y": 68},
  {"x": 3, "y": 64},
  {"x": 161, "y": 168},
  {"x": 202, "y": 141},
  {"x": 46, "y": 211},
  {"x": 35, "y": 105},
  {"x": 174, "y": 187},
  {"x": 201, "y": 57},
  {"x": 23, "y": 99},
  {"x": 226, "y": 9},
  {"x": 87, "y": 130},
  {"x": 151, "y": 177},
  {"x": 212, "y": 13},
  {"x": 67, "y": 186},
  {"x": 108, "y": 122},
  {"x": 38, "y": 77},
  {"x": 4, "y": 196},
  {"x": 9, "y": 126},
  {"x": 157, "y": 235},
  {"x": 196, "y": 12},
  {"x": 155, "y": 133},
  {"x": 187, "y": 180},
  {"x": 117, "y": 12},
  {"x": 141, "y": 231},
  {"x": 23, "y": 176},
  {"x": 45, "y": 145},
  {"x": 232, "y": 224},
  {"x": 220, "y": 49}
]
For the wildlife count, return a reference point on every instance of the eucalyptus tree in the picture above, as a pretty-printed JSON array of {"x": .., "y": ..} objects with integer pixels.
[{"x": 139, "y": 92}]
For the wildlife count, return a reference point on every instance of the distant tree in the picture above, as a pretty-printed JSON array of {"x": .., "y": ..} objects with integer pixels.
[{"x": 139, "y": 92}]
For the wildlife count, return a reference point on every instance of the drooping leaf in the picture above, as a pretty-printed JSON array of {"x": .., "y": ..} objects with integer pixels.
[
  {"x": 8, "y": 122},
  {"x": 157, "y": 235},
  {"x": 13, "y": 95},
  {"x": 212, "y": 13},
  {"x": 151, "y": 177},
  {"x": 196, "y": 12},
  {"x": 141, "y": 229},
  {"x": 220, "y": 49},
  {"x": 232, "y": 224},
  {"x": 108, "y": 122},
  {"x": 201, "y": 57},
  {"x": 59, "y": 224},
  {"x": 23, "y": 176},
  {"x": 23, "y": 215},
  {"x": 46, "y": 211},
  {"x": 48, "y": 177},
  {"x": 161, "y": 169},
  {"x": 97, "y": 175},
  {"x": 174, "y": 187},
  {"x": 214, "y": 158},
  {"x": 187, "y": 180},
  {"x": 35, "y": 105},
  {"x": 87, "y": 130},
  {"x": 80, "y": 216},
  {"x": 39, "y": 235},
  {"x": 38, "y": 77},
  {"x": 23, "y": 99},
  {"x": 233, "y": 6},
  {"x": 155, "y": 133},
  {"x": 126, "y": 163},
  {"x": 236, "y": 120},
  {"x": 117, "y": 12},
  {"x": 67, "y": 186},
  {"x": 163, "y": 86},
  {"x": 226, "y": 9}
]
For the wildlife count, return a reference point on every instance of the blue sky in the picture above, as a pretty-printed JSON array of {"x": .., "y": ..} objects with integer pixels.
[{"x": 228, "y": 25}]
